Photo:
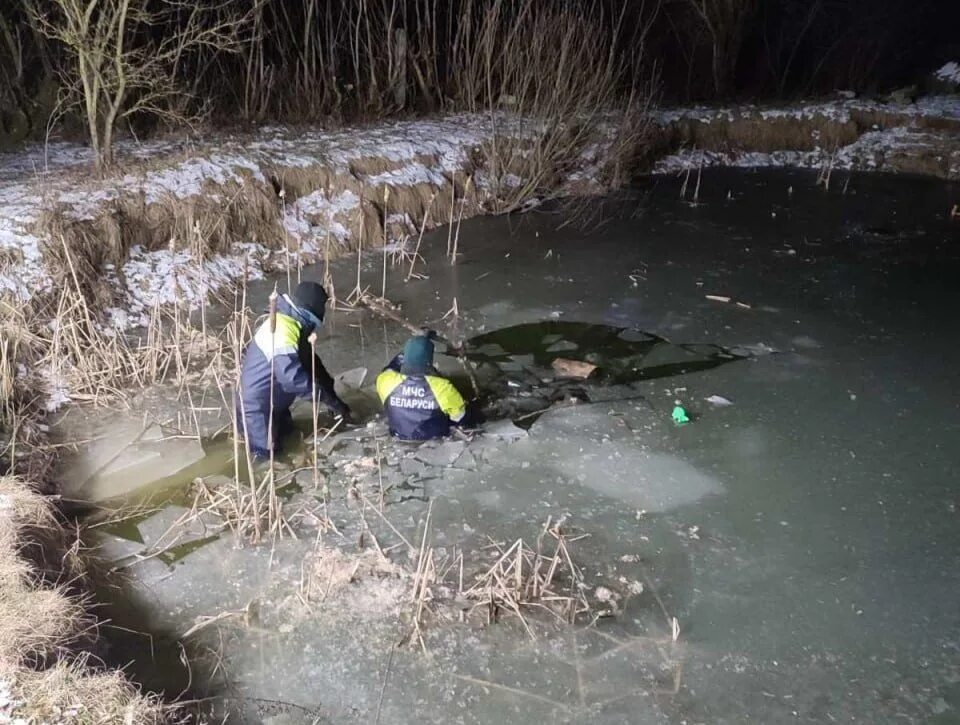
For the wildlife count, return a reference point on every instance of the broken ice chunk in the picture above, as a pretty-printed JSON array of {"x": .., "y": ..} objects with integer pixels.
[
  {"x": 505, "y": 430},
  {"x": 562, "y": 346},
  {"x": 719, "y": 401}
]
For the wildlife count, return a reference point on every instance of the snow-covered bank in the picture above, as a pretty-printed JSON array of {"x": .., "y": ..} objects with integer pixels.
[
  {"x": 311, "y": 188},
  {"x": 841, "y": 110},
  {"x": 249, "y": 196},
  {"x": 949, "y": 73},
  {"x": 854, "y": 134}
]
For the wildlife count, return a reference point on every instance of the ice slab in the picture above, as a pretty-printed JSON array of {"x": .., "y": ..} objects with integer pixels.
[
  {"x": 441, "y": 455},
  {"x": 112, "y": 548},
  {"x": 173, "y": 524},
  {"x": 586, "y": 445},
  {"x": 563, "y": 346},
  {"x": 349, "y": 380},
  {"x": 144, "y": 460},
  {"x": 757, "y": 349},
  {"x": 111, "y": 440},
  {"x": 505, "y": 430},
  {"x": 411, "y": 466},
  {"x": 139, "y": 466}
]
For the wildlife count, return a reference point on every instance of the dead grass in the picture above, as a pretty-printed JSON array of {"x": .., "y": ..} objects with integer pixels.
[
  {"x": 524, "y": 578},
  {"x": 76, "y": 692},
  {"x": 763, "y": 135},
  {"x": 36, "y": 621},
  {"x": 522, "y": 582},
  {"x": 42, "y": 622}
]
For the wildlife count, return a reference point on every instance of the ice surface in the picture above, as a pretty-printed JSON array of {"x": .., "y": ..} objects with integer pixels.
[
  {"x": 810, "y": 560},
  {"x": 581, "y": 444},
  {"x": 126, "y": 456},
  {"x": 441, "y": 455},
  {"x": 504, "y": 430}
]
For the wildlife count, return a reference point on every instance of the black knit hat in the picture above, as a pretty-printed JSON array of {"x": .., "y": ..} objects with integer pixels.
[{"x": 311, "y": 297}]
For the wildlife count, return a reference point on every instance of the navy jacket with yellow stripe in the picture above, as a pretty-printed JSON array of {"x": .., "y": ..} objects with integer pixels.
[
  {"x": 419, "y": 407},
  {"x": 290, "y": 350}
]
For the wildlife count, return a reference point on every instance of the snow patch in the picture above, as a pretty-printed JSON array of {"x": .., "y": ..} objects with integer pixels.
[
  {"x": 163, "y": 277},
  {"x": 56, "y": 389},
  {"x": 314, "y": 217},
  {"x": 949, "y": 72},
  {"x": 8, "y": 704},
  {"x": 870, "y": 151}
]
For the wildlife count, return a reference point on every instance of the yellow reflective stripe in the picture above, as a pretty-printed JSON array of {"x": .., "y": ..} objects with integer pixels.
[
  {"x": 448, "y": 398},
  {"x": 387, "y": 382},
  {"x": 284, "y": 342}
]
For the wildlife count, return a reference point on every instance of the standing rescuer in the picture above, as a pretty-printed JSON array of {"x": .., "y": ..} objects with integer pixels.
[
  {"x": 296, "y": 371},
  {"x": 419, "y": 403}
]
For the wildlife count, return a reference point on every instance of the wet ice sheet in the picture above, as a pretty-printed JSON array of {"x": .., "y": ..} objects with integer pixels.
[{"x": 805, "y": 537}]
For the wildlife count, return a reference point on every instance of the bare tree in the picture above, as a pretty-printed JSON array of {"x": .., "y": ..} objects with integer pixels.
[
  {"x": 125, "y": 57},
  {"x": 726, "y": 22}
]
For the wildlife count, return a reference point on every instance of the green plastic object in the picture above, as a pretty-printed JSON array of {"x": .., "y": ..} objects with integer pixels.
[{"x": 680, "y": 416}]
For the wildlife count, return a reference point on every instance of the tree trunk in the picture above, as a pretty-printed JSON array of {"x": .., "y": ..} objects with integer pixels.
[{"x": 400, "y": 68}]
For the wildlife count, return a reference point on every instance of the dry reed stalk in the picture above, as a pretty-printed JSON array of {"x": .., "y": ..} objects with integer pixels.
[
  {"x": 524, "y": 578},
  {"x": 198, "y": 238},
  {"x": 327, "y": 277},
  {"x": 696, "y": 190},
  {"x": 357, "y": 292},
  {"x": 386, "y": 201},
  {"x": 286, "y": 239},
  {"x": 313, "y": 403},
  {"x": 456, "y": 236},
  {"x": 453, "y": 201},
  {"x": 826, "y": 171},
  {"x": 423, "y": 227},
  {"x": 423, "y": 579},
  {"x": 269, "y": 479},
  {"x": 254, "y": 499}
]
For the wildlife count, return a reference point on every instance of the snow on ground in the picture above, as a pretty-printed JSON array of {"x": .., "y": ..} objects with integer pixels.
[
  {"x": 165, "y": 277},
  {"x": 405, "y": 153},
  {"x": 839, "y": 110},
  {"x": 313, "y": 217},
  {"x": 875, "y": 149},
  {"x": 949, "y": 72},
  {"x": 39, "y": 178}
]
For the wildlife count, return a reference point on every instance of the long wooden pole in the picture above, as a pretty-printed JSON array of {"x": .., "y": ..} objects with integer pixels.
[{"x": 378, "y": 307}]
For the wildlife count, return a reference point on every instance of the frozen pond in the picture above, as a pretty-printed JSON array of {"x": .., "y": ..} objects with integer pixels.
[{"x": 803, "y": 529}]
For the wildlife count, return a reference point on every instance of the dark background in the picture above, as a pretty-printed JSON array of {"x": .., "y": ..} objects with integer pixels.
[{"x": 754, "y": 50}]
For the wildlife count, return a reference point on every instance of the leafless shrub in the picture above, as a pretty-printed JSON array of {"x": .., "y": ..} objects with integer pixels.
[
  {"x": 580, "y": 111},
  {"x": 126, "y": 57}
]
